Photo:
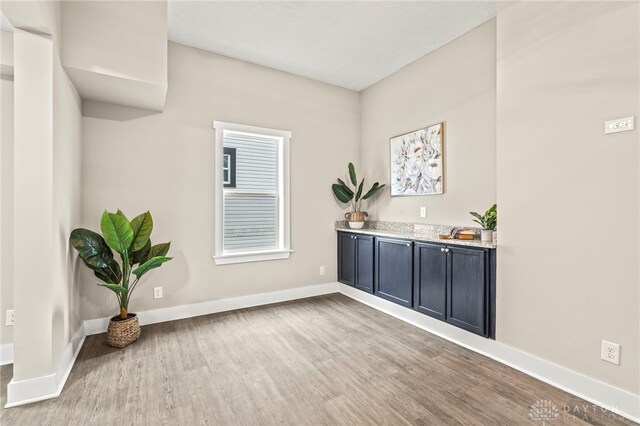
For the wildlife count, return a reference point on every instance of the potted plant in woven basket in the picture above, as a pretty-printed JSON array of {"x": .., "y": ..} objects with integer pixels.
[
  {"x": 131, "y": 240},
  {"x": 354, "y": 196}
]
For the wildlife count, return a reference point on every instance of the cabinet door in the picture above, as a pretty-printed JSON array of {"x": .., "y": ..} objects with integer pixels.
[
  {"x": 394, "y": 270},
  {"x": 346, "y": 258},
  {"x": 364, "y": 263},
  {"x": 430, "y": 279},
  {"x": 466, "y": 289}
]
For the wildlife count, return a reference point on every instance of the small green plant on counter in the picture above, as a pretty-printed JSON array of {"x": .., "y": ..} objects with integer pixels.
[
  {"x": 489, "y": 220},
  {"x": 132, "y": 241},
  {"x": 354, "y": 195}
]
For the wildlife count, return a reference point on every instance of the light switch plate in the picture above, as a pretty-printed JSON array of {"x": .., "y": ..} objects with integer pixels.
[
  {"x": 619, "y": 125},
  {"x": 423, "y": 212}
]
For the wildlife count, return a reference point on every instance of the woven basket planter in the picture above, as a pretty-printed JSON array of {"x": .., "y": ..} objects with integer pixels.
[
  {"x": 356, "y": 219},
  {"x": 121, "y": 333}
]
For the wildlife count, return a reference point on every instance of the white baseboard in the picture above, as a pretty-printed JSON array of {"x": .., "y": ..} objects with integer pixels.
[
  {"x": 20, "y": 392},
  {"x": 99, "y": 325},
  {"x": 6, "y": 354},
  {"x": 612, "y": 398}
]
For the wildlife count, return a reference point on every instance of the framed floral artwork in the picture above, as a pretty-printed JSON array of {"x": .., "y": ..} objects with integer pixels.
[{"x": 417, "y": 160}]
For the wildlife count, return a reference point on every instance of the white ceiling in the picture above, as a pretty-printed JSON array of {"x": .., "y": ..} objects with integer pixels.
[{"x": 352, "y": 44}]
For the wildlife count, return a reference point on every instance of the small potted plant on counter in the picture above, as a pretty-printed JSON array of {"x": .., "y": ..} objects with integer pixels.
[
  {"x": 488, "y": 221},
  {"x": 346, "y": 195},
  {"x": 132, "y": 241}
]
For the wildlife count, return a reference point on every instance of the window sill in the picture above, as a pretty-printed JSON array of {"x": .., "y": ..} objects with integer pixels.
[{"x": 245, "y": 257}]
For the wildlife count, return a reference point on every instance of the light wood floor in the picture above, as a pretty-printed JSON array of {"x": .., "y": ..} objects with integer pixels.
[{"x": 326, "y": 360}]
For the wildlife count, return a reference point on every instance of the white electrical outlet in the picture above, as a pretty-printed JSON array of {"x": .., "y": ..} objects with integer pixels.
[
  {"x": 322, "y": 270},
  {"x": 157, "y": 292},
  {"x": 618, "y": 125},
  {"x": 610, "y": 352},
  {"x": 11, "y": 318},
  {"x": 423, "y": 212}
]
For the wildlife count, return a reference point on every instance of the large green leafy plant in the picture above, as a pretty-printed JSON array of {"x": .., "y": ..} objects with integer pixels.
[
  {"x": 131, "y": 240},
  {"x": 354, "y": 196},
  {"x": 488, "y": 220}
]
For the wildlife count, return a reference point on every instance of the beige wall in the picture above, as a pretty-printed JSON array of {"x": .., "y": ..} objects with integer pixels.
[
  {"x": 6, "y": 205},
  {"x": 46, "y": 169},
  {"x": 67, "y": 166},
  {"x": 117, "y": 51},
  {"x": 568, "y": 195},
  {"x": 6, "y": 183},
  {"x": 6, "y": 53},
  {"x": 454, "y": 84},
  {"x": 137, "y": 160},
  {"x": 33, "y": 204},
  {"x": 129, "y": 41},
  {"x": 39, "y": 16}
]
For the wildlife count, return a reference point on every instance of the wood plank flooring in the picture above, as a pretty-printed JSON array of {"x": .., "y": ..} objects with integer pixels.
[{"x": 322, "y": 361}]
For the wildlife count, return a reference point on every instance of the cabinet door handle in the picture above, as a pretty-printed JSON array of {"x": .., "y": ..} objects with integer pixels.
[
  {"x": 355, "y": 238},
  {"x": 446, "y": 250},
  {"x": 442, "y": 249},
  {"x": 408, "y": 244}
]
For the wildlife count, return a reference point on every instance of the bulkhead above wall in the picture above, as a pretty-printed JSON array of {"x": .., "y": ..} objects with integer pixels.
[{"x": 117, "y": 54}]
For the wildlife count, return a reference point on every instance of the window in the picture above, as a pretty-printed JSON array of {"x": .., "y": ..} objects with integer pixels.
[
  {"x": 226, "y": 178},
  {"x": 229, "y": 167},
  {"x": 252, "y": 193}
]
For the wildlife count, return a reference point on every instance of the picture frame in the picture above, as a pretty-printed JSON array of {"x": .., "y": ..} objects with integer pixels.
[{"x": 417, "y": 162}]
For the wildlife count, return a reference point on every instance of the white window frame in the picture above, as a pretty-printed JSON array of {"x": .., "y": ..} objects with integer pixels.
[
  {"x": 283, "y": 251},
  {"x": 228, "y": 169}
]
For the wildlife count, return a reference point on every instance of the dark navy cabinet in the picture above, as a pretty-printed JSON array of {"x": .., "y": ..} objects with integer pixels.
[
  {"x": 467, "y": 289},
  {"x": 451, "y": 283},
  {"x": 346, "y": 258},
  {"x": 394, "y": 270},
  {"x": 355, "y": 260},
  {"x": 364, "y": 262},
  {"x": 430, "y": 278}
]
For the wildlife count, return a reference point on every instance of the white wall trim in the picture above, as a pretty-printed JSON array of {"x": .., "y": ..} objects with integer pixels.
[
  {"x": 20, "y": 392},
  {"x": 6, "y": 354},
  {"x": 96, "y": 326},
  {"x": 610, "y": 397},
  {"x": 260, "y": 256}
]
